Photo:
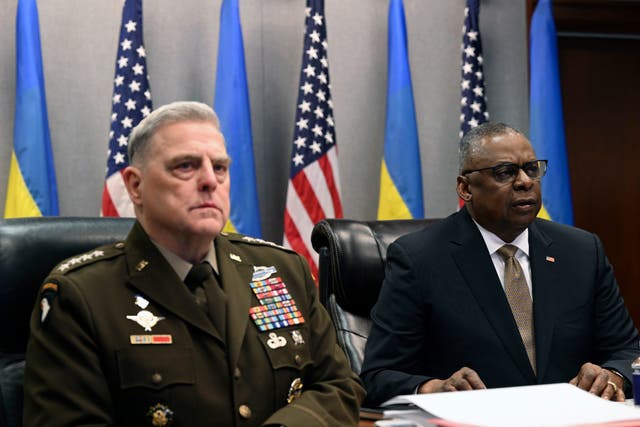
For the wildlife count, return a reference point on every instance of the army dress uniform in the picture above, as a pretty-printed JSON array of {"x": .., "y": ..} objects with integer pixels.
[{"x": 117, "y": 339}]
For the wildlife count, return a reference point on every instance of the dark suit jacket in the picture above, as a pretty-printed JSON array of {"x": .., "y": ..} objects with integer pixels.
[
  {"x": 442, "y": 307},
  {"x": 82, "y": 367}
]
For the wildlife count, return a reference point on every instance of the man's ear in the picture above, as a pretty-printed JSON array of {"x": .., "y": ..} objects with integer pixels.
[
  {"x": 462, "y": 188},
  {"x": 132, "y": 177}
]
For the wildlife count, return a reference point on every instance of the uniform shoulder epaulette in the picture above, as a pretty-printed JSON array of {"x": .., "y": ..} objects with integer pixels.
[
  {"x": 241, "y": 238},
  {"x": 94, "y": 255}
]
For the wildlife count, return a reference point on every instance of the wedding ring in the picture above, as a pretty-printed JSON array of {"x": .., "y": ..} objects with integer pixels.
[{"x": 615, "y": 387}]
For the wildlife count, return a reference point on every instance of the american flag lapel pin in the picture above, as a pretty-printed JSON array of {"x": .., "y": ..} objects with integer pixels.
[{"x": 550, "y": 259}]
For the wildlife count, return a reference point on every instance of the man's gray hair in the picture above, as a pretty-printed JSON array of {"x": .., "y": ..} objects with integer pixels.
[
  {"x": 175, "y": 112},
  {"x": 471, "y": 143}
]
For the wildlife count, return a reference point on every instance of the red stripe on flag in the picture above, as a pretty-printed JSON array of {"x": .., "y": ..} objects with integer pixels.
[
  {"x": 327, "y": 170},
  {"x": 308, "y": 197},
  {"x": 295, "y": 240},
  {"x": 108, "y": 209}
]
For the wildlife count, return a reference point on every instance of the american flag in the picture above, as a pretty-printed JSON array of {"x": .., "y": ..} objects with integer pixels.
[
  {"x": 131, "y": 102},
  {"x": 473, "y": 103},
  {"x": 313, "y": 192}
]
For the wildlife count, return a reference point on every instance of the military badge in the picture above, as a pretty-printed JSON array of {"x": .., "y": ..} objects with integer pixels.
[
  {"x": 47, "y": 295},
  {"x": 276, "y": 341},
  {"x": 160, "y": 415},
  {"x": 297, "y": 338},
  {"x": 141, "y": 302},
  {"x": 295, "y": 390},
  {"x": 262, "y": 272},
  {"x": 142, "y": 265},
  {"x": 146, "y": 319}
]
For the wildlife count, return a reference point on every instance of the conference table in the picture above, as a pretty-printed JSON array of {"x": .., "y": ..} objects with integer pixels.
[{"x": 366, "y": 423}]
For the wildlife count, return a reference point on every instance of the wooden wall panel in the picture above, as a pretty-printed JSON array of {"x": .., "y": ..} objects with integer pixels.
[{"x": 599, "y": 56}]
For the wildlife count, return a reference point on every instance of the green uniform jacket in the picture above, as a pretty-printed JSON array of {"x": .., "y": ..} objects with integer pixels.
[{"x": 82, "y": 368}]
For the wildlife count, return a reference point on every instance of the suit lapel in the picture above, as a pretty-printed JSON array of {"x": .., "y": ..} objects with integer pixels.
[
  {"x": 235, "y": 275},
  {"x": 153, "y": 276},
  {"x": 474, "y": 262},
  {"x": 545, "y": 299}
]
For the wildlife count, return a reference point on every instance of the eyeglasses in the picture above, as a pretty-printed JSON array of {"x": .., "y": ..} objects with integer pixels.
[{"x": 507, "y": 172}]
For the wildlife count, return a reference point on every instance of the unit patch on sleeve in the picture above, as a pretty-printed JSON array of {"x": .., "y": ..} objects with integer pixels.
[
  {"x": 277, "y": 308},
  {"x": 48, "y": 293}
]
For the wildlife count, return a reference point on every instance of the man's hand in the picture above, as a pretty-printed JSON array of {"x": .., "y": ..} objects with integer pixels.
[
  {"x": 600, "y": 382},
  {"x": 463, "y": 379}
]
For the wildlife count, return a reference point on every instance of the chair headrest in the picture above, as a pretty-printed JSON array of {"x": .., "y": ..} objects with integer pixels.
[
  {"x": 29, "y": 249},
  {"x": 357, "y": 254}
]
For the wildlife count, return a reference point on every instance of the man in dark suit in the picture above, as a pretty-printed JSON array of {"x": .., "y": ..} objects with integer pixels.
[
  {"x": 448, "y": 317},
  {"x": 118, "y": 339}
]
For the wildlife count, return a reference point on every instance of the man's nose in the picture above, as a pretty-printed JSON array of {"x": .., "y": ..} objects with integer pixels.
[
  {"x": 523, "y": 180},
  {"x": 207, "y": 176}
]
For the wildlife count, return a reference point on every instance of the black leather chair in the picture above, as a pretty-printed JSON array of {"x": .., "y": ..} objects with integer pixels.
[
  {"x": 29, "y": 249},
  {"x": 351, "y": 269}
]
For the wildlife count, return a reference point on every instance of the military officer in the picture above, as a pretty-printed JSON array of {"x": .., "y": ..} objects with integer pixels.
[{"x": 117, "y": 338}]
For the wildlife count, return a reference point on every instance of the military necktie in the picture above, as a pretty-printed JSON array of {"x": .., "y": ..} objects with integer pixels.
[
  {"x": 208, "y": 294},
  {"x": 515, "y": 286}
]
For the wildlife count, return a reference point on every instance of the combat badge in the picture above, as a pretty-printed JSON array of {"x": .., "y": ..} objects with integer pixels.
[
  {"x": 146, "y": 319},
  {"x": 295, "y": 390},
  {"x": 262, "y": 272},
  {"x": 47, "y": 294},
  {"x": 160, "y": 415}
]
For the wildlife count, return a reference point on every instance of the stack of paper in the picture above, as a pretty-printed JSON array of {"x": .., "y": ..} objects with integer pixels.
[{"x": 550, "y": 405}]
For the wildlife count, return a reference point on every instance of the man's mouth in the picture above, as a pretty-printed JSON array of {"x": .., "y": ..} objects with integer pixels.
[{"x": 525, "y": 203}]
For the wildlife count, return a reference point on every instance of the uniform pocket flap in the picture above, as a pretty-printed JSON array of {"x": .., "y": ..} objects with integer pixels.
[
  {"x": 154, "y": 367},
  {"x": 287, "y": 348}
]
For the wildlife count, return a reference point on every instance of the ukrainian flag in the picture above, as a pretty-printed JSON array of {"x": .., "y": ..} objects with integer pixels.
[
  {"x": 400, "y": 175},
  {"x": 546, "y": 125},
  {"x": 31, "y": 190},
  {"x": 232, "y": 106}
]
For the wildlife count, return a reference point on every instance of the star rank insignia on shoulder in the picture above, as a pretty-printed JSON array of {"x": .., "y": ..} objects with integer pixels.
[
  {"x": 256, "y": 241},
  {"x": 103, "y": 252}
]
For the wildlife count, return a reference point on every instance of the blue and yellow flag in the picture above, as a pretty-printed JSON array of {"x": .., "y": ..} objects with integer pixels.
[
  {"x": 400, "y": 175},
  {"x": 32, "y": 189},
  {"x": 232, "y": 106},
  {"x": 546, "y": 125}
]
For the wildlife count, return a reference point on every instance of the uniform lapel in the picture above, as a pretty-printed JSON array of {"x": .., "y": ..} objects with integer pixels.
[
  {"x": 235, "y": 275},
  {"x": 153, "y": 276},
  {"x": 544, "y": 276},
  {"x": 472, "y": 258}
]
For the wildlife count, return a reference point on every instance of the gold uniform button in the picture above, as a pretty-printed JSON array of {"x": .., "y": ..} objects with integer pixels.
[
  {"x": 298, "y": 359},
  {"x": 237, "y": 374},
  {"x": 156, "y": 378},
  {"x": 244, "y": 411}
]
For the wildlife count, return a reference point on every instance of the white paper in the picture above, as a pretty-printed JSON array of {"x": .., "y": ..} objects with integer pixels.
[{"x": 549, "y": 405}]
